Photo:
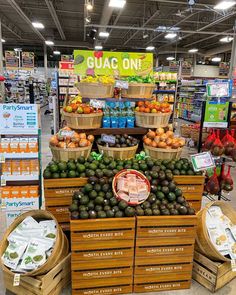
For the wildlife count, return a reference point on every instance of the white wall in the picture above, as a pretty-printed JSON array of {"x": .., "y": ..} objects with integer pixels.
[{"x": 205, "y": 71}]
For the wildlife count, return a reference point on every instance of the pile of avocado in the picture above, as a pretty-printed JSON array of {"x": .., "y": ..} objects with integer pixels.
[
  {"x": 96, "y": 198},
  {"x": 121, "y": 141},
  {"x": 108, "y": 167}
]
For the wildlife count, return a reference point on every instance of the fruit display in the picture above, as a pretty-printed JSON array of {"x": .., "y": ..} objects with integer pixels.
[
  {"x": 120, "y": 141},
  {"x": 153, "y": 107},
  {"x": 80, "y": 108},
  {"x": 108, "y": 167},
  {"x": 96, "y": 199},
  {"x": 226, "y": 182},
  {"x": 162, "y": 139},
  {"x": 98, "y": 79},
  {"x": 139, "y": 79},
  {"x": 67, "y": 138}
]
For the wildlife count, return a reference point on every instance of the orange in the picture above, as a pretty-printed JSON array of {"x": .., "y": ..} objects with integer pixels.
[
  {"x": 147, "y": 110},
  {"x": 140, "y": 103}
]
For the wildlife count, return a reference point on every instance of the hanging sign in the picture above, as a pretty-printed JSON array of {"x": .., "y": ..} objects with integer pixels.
[
  {"x": 65, "y": 57},
  {"x": 66, "y": 68},
  {"x": 18, "y": 118},
  {"x": 224, "y": 69},
  {"x": 218, "y": 89},
  {"x": 174, "y": 66},
  {"x": 216, "y": 114},
  {"x": 186, "y": 68},
  {"x": 11, "y": 60},
  {"x": 27, "y": 60},
  {"x": 202, "y": 161},
  {"x": 113, "y": 63}
]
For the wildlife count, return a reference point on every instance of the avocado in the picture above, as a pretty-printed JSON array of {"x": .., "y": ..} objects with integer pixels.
[
  {"x": 160, "y": 195},
  {"x": 106, "y": 208},
  {"x": 101, "y": 194},
  {"x": 74, "y": 215},
  {"x": 90, "y": 205},
  {"x": 156, "y": 168},
  {"x": 143, "y": 167},
  {"x": 172, "y": 186},
  {"x": 97, "y": 187},
  {"x": 146, "y": 205},
  {"x": 153, "y": 188},
  {"x": 119, "y": 214},
  {"x": 102, "y": 180},
  {"x": 113, "y": 202},
  {"x": 47, "y": 174},
  {"x": 190, "y": 172},
  {"x": 92, "y": 214},
  {"x": 169, "y": 176},
  {"x": 101, "y": 166},
  {"x": 53, "y": 168},
  {"x": 81, "y": 159},
  {"x": 148, "y": 212},
  {"x": 150, "y": 163},
  {"x": 174, "y": 212},
  {"x": 178, "y": 192},
  {"x": 106, "y": 202},
  {"x": 83, "y": 215},
  {"x": 84, "y": 200},
  {"x": 82, "y": 174},
  {"x": 156, "y": 212},
  {"x": 98, "y": 208},
  {"x": 92, "y": 179},
  {"x": 99, "y": 173},
  {"x": 101, "y": 214},
  {"x": 176, "y": 172},
  {"x": 62, "y": 166},
  {"x": 180, "y": 200},
  {"x": 82, "y": 208},
  {"x": 122, "y": 205},
  {"x": 154, "y": 206},
  {"x": 80, "y": 168},
  {"x": 119, "y": 168},
  {"x": 71, "y": 166},
  {"x": 183, "y": 210},
  {"x": 90, "y": 159},
  {"x": 151, "y": 198},
  {"x": 162, "y": 175},
  {"x": 191, "y": 211},
  {"x": 105, "y": 188},
  {"x": 88, "y": 187},
  {"x": 129, "y": 211},
  {"x": 110, "y": 213},
  {"x": 89, "y": 172},
  {"x": 99, "y": 201},
  {"x": 109, "y": 195},
  {"x": 154, "y": 174},
  {"x": 139, "y": 211},
  {"x": 93, "y": 194},
  {"x": 165, "y": 183},
  {"x": 115, "y": 209},
  {"x": 165, "y": 212},
  {"x": 77, "y": 195},
  {"x": 171, "y": 197},
  {"x": 165, "y": 190},
  {"x": 182, "y": 172},
  {"x": 73, "y": 207},
  {"x": 57, "y": 175},
  {"x": 71, "y": 174}
]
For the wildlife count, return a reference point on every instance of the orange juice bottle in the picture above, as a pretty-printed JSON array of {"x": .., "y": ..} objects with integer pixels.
[
  {"x": 33, "y": 144},
  {"x": 16, "y": 167},
  {"x": 25, "y": 167},
  {"x": 24, "y": 145},
  {"x": 6, "y": 168},
  {"x": 5, "y": 145},
  {"x": 34, "y": 167},
  {"x": 14, "y": 144}
]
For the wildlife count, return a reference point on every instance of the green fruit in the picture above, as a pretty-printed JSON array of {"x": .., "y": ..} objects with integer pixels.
[
  {"x": 62, "y": 166},
  {"x": 106, "y": 202},
  {"x": 160, "y": 195},
  {"x": 122, "y": 205},
  {"x": 106, "y": 208},
  {"x": 92, "y": 214},
  {"x": 92, "y": 166},
  {"x": 109, "y": 195},
  {"x": 93, "y": 194},
  {"x": 90, "y": 205},
  {"x": 150, "y": 163},
  {"x": 108, "y": 173},
  {"x": 53, "y": 168},
  {"x": 152, "y": 198},
  {"x": 84, "y": 200},
  {"x": 176, "y": 172},
  {"x": 97, "y": 187},
  {"x": 101, "y": 214},
  {"x": 80, "y": 167},
  {"x": 140, "y": 211},
  {"x": 190, "y": 172},
  {"x": 89, "y": 173},
  {"x": 143, "y": 167},
  {"x": 182, "y": 172},
  {"x": 162, "y": 175},
  {"x": 90, "y": 159},
  {"x": 146, "y": 205},
  {"x": 115, "y": 209},
  {"x": 77, "y": 195},
  {"x": 180, "y": 200},
  {"x": 106, "y": 161},
  {"x": 153, "y": 188},
  {"x": 171, "y": 197},
  {"x": 191, "y": 211},
  {"x": 47, "y": 174},
  {"x": 99, "y": 173},
  {"x": 98, "y": 208},
  {"x": 102, "y": 180},
  {"x": 99, "y": 201},
  {"x": 174, "y": 212},
  {"x": 86, "y": 164},
  {"x": 154, "y": 174},
  {"x": 178, "y": 192},
  {"x": 73, "y": 207},
  {"x": 55, "y": 175},
  {"x": 112, "y": 165},
  {"x": 183, "y": 210},
  {"x": 105, "y": 188},
  {"x": 102, "y": 166},
  {"x": 113, "y": 202},
  {"x": 169, "y": 176},
  {"x": 156, "y": 212},
  {"x": 71, "y": 166},
  {"x": 88, "y": 187},
  {"x": 165, "y": 190},
  {"x": 172, "y": 187},
  {"x": 81, "y": 160},
  {"x": 82, "y": 174},
  {"x": 63, "y": 175},
  {"x": 82, "y": 208},
  {"x": 165, "y": 212},
  {"x": 71, "y": 174},
  {"x": 84, "y": 215},
  {"x": 165, "y": 183},
  {"x": 110, "y": 213},
  {"x": 129, "y": 211},
  {"x": 148, "y": 212},
  {"x": 119, "y": 167},
  {"x": 92, "y": 179},
  {"x": 101, "y": 194},
  {"x": 119, "y": 214}
]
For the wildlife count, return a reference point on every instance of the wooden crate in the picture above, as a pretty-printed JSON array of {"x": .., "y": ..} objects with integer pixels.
[
  {"x": 192, "y": 188},
  {"x": 164, "y": 253},
  {"x": 51, "y": 283},
  {"x": 210, "y": 274},
  {"x": 58, "y": 197},
  {"x": 102, "y": 255}
]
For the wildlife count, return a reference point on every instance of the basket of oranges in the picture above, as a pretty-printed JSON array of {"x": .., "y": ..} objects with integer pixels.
[
  {"x": 82, "y": 116},
  {"x": 152, "y": 114}
]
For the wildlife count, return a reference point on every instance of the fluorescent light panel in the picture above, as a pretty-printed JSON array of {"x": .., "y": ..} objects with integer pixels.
[
  {"x": 150, "y": 48},
  {"x": 98, "y": 47},
  {"x": 193, "y": 50},
  {"x": 170, "y": 58},
  {"x": 117, "y": 3},
  {"x": 104, "y": 34},
  {"x": 216, "y": 59},
  {"x": 226, "y": 39},
  {"x": 49, "y": 42},
  {"x": 223, "y": 5},
  {"x": 56, "y": 52},
  {"x": 38, "y": 25},
  {"x": 3, "y": 40},
  {"x": 170, "y": 36},
  {"x": 164, "y": 29}
]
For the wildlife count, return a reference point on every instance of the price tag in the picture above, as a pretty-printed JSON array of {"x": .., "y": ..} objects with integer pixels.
[
  {"x": 108, "y": 138},
  {"x": 202, "y": 161},
  {"x": 3, "y": 181},
  {"x": 66, "y": 133},
  {"x": 16, "y": 281},
  {"x": 97, "y": 104},
  {"x": 122, "y": 84},
  {"x": 2, "y": 158}
]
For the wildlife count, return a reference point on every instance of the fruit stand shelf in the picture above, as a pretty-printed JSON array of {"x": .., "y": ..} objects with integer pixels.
[
  {"x": 130, "y": 131},
  {"x": 112, "y": 99}
]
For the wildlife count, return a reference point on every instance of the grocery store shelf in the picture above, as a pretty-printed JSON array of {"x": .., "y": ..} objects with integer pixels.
[
  {"x": 19, "y": 155},
  {"x": 187, "y": 119},
  {"x": 163, "y": 91},
  {"x": 131, "y": 131}
]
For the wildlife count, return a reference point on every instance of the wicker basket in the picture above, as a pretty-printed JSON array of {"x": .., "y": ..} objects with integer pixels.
[
  {"x": 96, "y": 90},
  {"x": 118, "y": 153},
  {"x": 139, "y": 90},
  {"x": 83, "y": 121},
  {"x": 152, "y": 120},
  {"x": 195, "y": 135},
  {"x": 163, "y": 154},
  {"x": 185, "y": 131},
  {"x": 60, "y": 154}
]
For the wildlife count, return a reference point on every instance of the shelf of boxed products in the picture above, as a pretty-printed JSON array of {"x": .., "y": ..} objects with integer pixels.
[
  {"x": 114, "y": 131},
  {"x": 20, "y": 177}
]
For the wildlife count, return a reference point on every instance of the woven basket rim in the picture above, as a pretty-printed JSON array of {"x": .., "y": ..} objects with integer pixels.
[
  {"x": 152, "y": 114},
  {"x": 142, "y": 84},
  {"x": 115, "y": 149},
  {"x": 70, "y": 149},
  {"x": 163, "y": 150},
  {"x": 96, "y": 84},
  {"x": 100, "y": 114}
]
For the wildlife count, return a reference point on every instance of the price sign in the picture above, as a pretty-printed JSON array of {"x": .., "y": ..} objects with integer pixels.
[
  {"x": 66, "y": 133},
  {"x": 97, "y": 104},
  {"x": 202, "y": 161},
  {"x": 108, "y": 138},
  {"x": 122, "y": 84},
  {"x": 218, "y": 89}
]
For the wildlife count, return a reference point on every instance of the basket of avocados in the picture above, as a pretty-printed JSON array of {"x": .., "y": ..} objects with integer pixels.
[{"x": 163, "y": 154}]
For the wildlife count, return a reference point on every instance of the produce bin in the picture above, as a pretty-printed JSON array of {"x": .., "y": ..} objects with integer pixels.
[
  {"x": 164, "y": 253},
  {"x": 139, "y": 90},
  {"x": 118, "y": 153},
  {"x": 61, "y": 154},
  {"x": 95, "y": 90},
  {"x": 83, "y": 121},
  {"x": 152, "y": 120},
  {"x": 163, "y": 154}
]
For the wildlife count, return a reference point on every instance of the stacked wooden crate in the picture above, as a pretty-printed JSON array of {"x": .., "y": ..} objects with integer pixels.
[
  {"x": 102, "y": 256},
  {"x": 58, "y": 197},
  {"x": 192, "y": 188},
  {"x": 164, "y": 253}
]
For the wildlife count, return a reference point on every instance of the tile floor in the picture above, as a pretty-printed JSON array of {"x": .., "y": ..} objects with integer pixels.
[{"x": 196, "y": 289}]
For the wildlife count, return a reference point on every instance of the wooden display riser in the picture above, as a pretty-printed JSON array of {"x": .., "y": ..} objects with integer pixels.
[
  {"x": 102, "y": 255},
  {"x": 210, "y": 274},
  {"x": 164, "y": 253}
]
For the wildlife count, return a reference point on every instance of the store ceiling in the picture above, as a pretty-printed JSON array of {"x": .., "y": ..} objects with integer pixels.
[{"x": 200, "y": 25}]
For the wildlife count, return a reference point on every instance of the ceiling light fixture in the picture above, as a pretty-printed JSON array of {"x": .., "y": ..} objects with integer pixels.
[
  {"x": 117, "y": 3},
  {"x": 104, "y": 34},
  {"x": 98, "y": 47},
  {"x": 165, "y": 28},
  {"x": 150, "y": 48},
  {"x": 3, "y": 40},
  {"x": 37, "y": 25},
  {"x": 170, "y": 36},
  {"x": 193, "y": 50},
  {"x": 89, "y": 5},
  {"x": 226, "y": 39},
  {"x": 56, "y": 52},
  {"x": 17, "y": 49},
  {"x": 145, "y": 35},
  {"x": 223, "y": 5},
  {"x": 49, "y": 42},
  {"x": 170, "y": 58},
  {"x": 88, "y": 19},
  {"x": 216, "y": 59}
]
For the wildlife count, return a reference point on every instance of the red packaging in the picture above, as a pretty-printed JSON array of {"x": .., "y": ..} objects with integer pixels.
[
  {"x": 212, "y": 185},
  {"x": 209, "y": 140},
  {"x": 217, "y": 148}
]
